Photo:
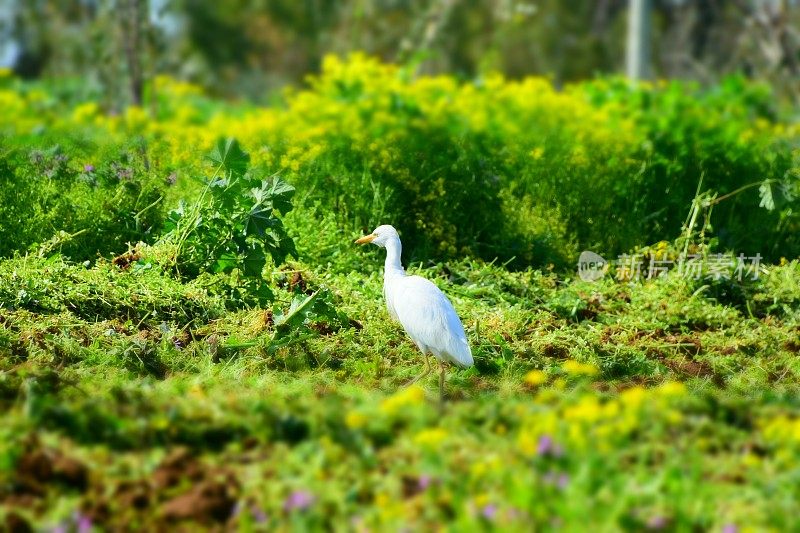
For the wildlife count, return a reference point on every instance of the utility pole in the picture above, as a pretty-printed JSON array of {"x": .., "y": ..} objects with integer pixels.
[{"x": 638, "y": 50}]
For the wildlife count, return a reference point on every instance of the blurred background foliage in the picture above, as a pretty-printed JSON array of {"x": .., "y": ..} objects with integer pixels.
[
  {"x": 252, "y": 47},
  {"x": 495, "y": 129}
]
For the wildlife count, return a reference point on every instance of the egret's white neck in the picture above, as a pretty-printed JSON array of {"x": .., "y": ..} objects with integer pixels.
[{"x": 392, "y": 265}]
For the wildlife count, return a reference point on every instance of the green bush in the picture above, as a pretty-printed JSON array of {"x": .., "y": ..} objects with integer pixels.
[
  {"x": 491, "y": 168},
  {"x": 730, "y": 136}
]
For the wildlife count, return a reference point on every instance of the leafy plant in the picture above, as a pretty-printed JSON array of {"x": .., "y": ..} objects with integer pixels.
[
  {"x": 309, "y": 310},
  {"x": 233, "y": 227}
]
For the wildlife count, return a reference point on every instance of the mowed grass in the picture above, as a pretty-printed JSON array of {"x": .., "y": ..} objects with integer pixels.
[{"x": 132, "y": 399}]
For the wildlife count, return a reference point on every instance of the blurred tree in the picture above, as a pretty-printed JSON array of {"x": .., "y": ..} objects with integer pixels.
[
  {"x": 704, "y": 39},
  {"x": 133, "y": 19}
]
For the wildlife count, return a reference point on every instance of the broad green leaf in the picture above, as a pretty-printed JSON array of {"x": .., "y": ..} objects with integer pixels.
[
  {"x": 259, "y": 220},
  {"x": 253, "y": 262},
  {"x": 228, "y": 154},
  {"x": 225, "y": 263},
  {"x": 276, "y": 192},
  {"x": 298, "y": 311}
]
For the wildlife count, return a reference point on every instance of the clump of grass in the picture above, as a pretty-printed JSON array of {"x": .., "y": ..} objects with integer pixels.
[{"x": 137, "y": 291}]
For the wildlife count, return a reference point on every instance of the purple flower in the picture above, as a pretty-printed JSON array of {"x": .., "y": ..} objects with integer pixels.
[
  {"x": 657, "y": 522},
  {"x": 560, "y": 480},
  {"x": 88, "y": 167},
  {"x": 489, "y": 511},
  {"x": 259, "y": 515},
  {"x": 545, "y": 445},
  {"x": 83, "y": 524},
  {"x": 123, "y": 173},
  {"x": 298, "y": 500},
  {"x": 730, "y": 528},
  {"x": 424, "y": 481}
]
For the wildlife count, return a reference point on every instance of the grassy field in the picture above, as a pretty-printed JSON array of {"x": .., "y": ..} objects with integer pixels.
[
  {"x": 130, "y": 399},
  {"x": 237, "y": 367}
]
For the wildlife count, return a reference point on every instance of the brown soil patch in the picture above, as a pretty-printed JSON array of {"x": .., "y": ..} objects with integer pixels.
[
  {"x": 39, "y": 467},
  {"x": 124, "y": 261},
  {"x": 178, "y": 465},
  {"x": 208, "y": 501}
]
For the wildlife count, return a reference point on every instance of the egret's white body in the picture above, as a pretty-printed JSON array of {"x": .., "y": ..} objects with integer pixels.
[{"x": 423, "y": 310}]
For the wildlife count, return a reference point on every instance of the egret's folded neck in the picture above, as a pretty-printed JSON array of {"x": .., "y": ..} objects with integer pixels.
[{"x": 392, "y": 264}]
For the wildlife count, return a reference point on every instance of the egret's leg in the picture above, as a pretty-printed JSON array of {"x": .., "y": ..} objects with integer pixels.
[
  {"x": 441, "y": 385},
  {"x": 428, "y": 370}
]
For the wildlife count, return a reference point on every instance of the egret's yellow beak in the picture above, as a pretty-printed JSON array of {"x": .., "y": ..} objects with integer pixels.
[{"x": 366, "y": 238}]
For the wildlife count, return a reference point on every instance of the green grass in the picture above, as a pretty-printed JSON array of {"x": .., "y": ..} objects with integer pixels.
[{"x": 116, "y": 371}]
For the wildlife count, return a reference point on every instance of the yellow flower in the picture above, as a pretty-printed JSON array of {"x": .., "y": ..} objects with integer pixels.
[
  {"x": 84, "y": 113},
  {"x": 587, "y": 409},
  {"x": 176, "y": 88},
  {"x": 407, "y": 397},
  {"x": 478, "y": 469},
  {"x": 576, "y": 368},
  {"x": 136, "y": 118},
  {"x": 430, "y": 437},
  {"x": 197, "y": 391},
  {"x": 673, "y": 416},
  {"x": 382, "y": 499},
  {"x": 355, "y": 420},
  {"x": 483, "y": 466},
  {"x": 633, "y": 397},
  {"x": 751, "y": 460},
  {"x": 535, "y": 377},
  {"x": 482, "y": 500},
  {"x": 672, "y": 389},
  {"x": 389, "y": 507},
  {"x": 528, "y": 442}
]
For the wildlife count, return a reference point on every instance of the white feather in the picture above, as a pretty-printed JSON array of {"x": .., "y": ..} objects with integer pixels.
[{"x": 429, "y": 318}]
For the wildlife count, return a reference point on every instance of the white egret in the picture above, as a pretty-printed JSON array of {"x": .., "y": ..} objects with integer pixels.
[{"x": 423, "y": 310}]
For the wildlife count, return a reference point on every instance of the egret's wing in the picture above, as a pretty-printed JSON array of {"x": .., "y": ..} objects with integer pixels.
[
  {"x": 388, "y": 297},
  {"x": 430, "y": 320}
]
